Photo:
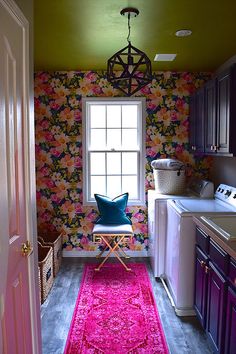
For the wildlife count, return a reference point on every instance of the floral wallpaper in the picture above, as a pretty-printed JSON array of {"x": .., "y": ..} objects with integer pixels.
[{"x": 58, "y": 124}]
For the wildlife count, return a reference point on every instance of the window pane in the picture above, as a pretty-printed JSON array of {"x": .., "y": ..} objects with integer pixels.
[
  {"x": 113, "y": 138},
  {"x": 129, "y": 184},
  {"x": 113, "y": 163},
  {"x": 98, "y": 116},
  {"x": 129, "y": 116},
  {"x": 113, "y": 116},
  {"x": 98, "y": 185},
  {"x": 129, "y": 163},
  {"x": 129, "y": 138},
  {"x": 113, "y": 186},
  {"x": 97, "y": 163},
  {"x": 113, "y": 149},
  {"x": 98, "y": 139}
]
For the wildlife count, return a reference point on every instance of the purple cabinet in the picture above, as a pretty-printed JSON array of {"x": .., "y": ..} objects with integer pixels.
[
  {"x": 230, "y": 341},
  {"x": 200, "y": 296},
  {"x": 212, "y": 115},
  {"x": 226, "y": 111},
  {"x": 215, "y": 294},
  {"x": 197, "y": 127},
  {"x": 216, "y": 299}
]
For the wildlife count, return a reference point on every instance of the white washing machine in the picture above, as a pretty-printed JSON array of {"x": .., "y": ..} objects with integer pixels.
[
  {"x": 180, "y": 243},
  {"x": 157, "y": 220}
]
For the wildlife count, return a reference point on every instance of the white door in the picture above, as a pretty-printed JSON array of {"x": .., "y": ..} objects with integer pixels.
[{"x": 18, "y": 307}]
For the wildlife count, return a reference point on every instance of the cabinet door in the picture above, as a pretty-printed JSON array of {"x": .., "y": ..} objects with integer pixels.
[
  {"x": 210, "y": 116},
  {"x": 197, "y": 128},
  {"x": 230, "y": 338},
  {"x": 226, "y": 110},
  {"x": 223, "y": 112},
  {"x": 215, "y": 308},
  {"x": 200, "y": 295}
]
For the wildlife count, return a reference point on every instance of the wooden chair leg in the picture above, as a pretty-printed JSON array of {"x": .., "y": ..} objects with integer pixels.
[
  {"x": 123, "y": 252},
  {"x": 101, "y": 253},
  {"x": 113, "y": 243}
]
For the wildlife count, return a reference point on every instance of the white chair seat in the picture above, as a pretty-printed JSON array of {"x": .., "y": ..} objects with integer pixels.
[
  {"x": 113, "y": 236},
  {"x": 112, "y": 229}
]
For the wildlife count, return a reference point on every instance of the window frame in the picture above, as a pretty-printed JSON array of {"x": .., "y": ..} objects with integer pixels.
[{"x": 141, "y": 103}]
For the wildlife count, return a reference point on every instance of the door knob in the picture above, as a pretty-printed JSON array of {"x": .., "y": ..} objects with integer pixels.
[{"x": 26, "y": 249}]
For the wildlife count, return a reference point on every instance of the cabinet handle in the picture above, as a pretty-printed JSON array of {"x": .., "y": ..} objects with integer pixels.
[
  {"x": 216, "y": 147},
  {"x": 207, "y": 270},
  {"x": 203, "y": 264},
  {"x": 211, "y": 147}
]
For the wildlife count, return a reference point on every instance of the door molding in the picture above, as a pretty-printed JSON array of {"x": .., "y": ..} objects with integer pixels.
[{"x": 29, "y": 174}]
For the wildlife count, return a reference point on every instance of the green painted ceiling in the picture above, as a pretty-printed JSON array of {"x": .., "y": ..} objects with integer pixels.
[{"x": 83, "y": 34}]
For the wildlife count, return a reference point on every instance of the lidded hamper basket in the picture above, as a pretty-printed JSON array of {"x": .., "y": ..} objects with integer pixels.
[
  {"x": 169, "y": 181},
  {"x": 55, "y": 241},
  {"x": 45, "y": 263}
]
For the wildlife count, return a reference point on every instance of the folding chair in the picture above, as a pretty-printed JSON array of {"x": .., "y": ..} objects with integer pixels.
[{"x": 113, "y": 236}]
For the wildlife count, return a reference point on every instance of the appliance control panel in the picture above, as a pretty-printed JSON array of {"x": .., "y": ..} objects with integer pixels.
[
  {"x": 202, "y": 188},
  {"x": 226, "y": 193}
]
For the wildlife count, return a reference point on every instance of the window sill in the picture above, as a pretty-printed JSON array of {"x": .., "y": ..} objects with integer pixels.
[{"x": 131, "y": 203}]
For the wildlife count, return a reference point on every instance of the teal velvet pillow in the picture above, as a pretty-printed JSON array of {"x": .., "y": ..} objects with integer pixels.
[{"x": 112, "y": 211}]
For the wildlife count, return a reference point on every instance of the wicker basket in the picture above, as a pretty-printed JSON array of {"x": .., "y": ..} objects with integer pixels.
[
  {"x": 169, "y": 182},
  {"x": 40, "y": 286},
  {"x": 55, "y": 241},
  {"x": 45, "y": 256}
]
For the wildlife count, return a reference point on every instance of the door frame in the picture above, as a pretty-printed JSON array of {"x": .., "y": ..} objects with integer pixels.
[{"x": 29, "y": 158}]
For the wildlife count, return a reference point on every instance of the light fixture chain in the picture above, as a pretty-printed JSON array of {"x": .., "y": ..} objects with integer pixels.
[
  {"x": 129, "y": 69},
  {"x": 128, "y": 37}
]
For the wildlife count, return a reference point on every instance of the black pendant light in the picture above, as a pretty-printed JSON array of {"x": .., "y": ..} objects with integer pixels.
[{"x": 129, "y": 69}]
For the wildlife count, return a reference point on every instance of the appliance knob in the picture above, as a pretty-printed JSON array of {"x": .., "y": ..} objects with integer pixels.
[
  {"x": 234, "y": 196},
  {"x": 227, "y": 193}
]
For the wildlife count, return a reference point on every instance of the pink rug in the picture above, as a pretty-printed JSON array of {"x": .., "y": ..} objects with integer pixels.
[{"x": 116, "y": 313}]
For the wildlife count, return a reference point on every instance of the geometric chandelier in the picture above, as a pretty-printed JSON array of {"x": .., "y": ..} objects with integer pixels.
[{"x": 129, "y": 69}]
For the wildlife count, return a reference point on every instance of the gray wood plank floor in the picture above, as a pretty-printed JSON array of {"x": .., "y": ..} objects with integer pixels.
[{"x": 184, "y": 335}]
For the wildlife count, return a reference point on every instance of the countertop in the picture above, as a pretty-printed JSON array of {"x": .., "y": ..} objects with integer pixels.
[{"x": 228, "y": 246}]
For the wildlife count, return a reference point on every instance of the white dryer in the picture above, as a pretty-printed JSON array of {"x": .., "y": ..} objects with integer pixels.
[
  {"x": 180, "y": 242},
  {"x": 157, "y": 220}
]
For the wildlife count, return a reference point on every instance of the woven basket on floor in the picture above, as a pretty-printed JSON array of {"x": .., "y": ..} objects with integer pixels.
[
  {"x": 55, "y": 241},
  {"x": 45, "y": 263},
  {"x": 40, "y": 286}
]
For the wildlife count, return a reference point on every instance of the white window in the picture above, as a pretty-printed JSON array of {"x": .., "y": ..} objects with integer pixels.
[{"x": 113, "y": 148}]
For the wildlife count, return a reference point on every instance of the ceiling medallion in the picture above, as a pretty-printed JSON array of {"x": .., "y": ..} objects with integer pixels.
[{"x": 129, "y": 69}]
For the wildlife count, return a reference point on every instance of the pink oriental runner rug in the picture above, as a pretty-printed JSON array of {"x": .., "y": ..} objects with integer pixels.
[{"x": 116, "y": 313}]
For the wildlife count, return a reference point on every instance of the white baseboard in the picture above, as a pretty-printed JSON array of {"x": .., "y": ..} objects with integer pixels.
[{"x": 93, "y": 254}]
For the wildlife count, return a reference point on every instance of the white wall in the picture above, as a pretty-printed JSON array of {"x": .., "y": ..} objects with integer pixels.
[{"x": 224, "y": 171}]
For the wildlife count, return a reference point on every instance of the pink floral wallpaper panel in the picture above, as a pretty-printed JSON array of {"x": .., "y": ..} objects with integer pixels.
[{"x": 58, "y": 125}]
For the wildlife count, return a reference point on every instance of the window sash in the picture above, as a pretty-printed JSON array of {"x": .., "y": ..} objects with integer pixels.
[
  {"x": 108, "y": 175},
  {"x": 88, "y": 149}
]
